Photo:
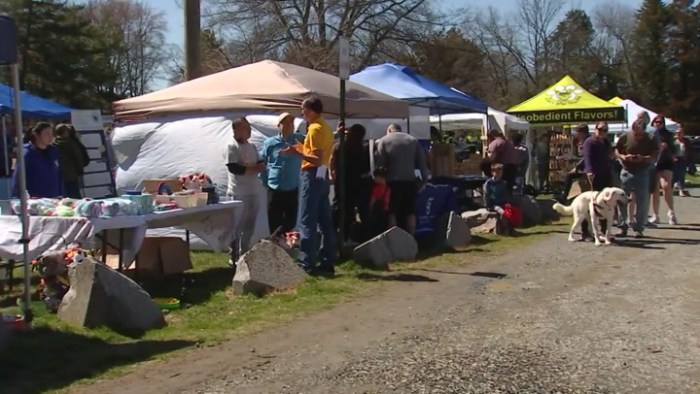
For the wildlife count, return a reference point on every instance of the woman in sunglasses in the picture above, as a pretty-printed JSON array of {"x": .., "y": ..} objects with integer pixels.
[{"x": 662, "y": 177}]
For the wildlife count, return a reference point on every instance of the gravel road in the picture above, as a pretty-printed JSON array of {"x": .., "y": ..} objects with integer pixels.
[{"x": 566, "y": 318}]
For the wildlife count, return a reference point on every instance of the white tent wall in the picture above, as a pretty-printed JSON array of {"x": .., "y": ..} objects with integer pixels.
[
  {"x": 473, "y": 121},
  {"x": 175, "y": 145},
  {"x": 418, "y": 124}
]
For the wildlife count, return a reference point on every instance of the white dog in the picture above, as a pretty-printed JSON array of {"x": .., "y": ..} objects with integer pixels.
[{"x": 593, "y": 207}]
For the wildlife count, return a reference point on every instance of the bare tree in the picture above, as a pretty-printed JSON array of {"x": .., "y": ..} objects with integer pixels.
[
  {"x": 615, "y": 22},
  {"x": 137, "y": 35},
  {"x": 306, "y": 31},
  {"x": 522, "y": 38},
  {"x": 214, "y": 57}
]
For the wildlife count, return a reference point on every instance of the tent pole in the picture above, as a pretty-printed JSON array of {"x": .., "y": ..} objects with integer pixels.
[
  {"x": 22, "y": 191},
  {"x": 5, "y": 148}
]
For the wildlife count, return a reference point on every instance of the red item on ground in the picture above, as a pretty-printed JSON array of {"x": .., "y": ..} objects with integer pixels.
[{"x": 514, "y": 215}]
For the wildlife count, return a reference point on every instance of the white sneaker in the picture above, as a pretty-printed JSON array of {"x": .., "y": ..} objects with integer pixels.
[
  {"x": 653, "y": 219},
  {"x": 672, "y": 218}
]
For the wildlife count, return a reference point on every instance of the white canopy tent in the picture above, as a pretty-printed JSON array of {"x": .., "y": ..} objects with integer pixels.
[
  {"x": 494, "y": 119},
  {"x": 632, "y": 110}
]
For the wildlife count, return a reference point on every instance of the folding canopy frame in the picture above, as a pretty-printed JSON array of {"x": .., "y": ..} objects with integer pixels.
[{"x": 8, "y": 57}]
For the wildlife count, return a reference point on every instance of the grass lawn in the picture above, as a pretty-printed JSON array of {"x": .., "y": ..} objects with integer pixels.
[{"x": 54, "y": 355}]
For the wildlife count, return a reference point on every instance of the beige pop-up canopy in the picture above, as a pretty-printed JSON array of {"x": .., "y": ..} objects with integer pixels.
[{"x": 266, "y": 85}]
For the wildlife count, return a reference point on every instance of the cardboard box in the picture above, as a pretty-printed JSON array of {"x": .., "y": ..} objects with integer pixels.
[
  {"x": 158, "y": 256},
  {"x": 442, "y": 160}
]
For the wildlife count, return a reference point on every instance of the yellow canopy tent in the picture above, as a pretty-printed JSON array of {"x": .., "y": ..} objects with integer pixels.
[
  {"x": 617, "y": 100},
  {"x": 566, "y": 102}
]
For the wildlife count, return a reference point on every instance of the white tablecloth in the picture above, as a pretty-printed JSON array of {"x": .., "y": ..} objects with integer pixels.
[
  {"x": 48, "y": 233},
  {"x": 212, "y": 223}
]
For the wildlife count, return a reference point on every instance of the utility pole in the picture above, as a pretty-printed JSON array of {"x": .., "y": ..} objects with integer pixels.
[
  {"x": 193, "y": 53},
  {"x": 343, "y": 74}
]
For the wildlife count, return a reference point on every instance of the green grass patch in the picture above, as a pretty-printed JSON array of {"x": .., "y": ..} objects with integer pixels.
[{"x": 54, "y": 355}]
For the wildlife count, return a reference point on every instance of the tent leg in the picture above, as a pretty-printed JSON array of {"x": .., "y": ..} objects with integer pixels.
[
  {"x": 22, "y": 191},
  {"x": 5, "y": 148}
]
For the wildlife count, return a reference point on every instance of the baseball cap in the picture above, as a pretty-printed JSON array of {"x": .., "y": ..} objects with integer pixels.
[{"x": 283, "y": 116}]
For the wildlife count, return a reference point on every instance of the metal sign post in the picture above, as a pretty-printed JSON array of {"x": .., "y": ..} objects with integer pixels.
[
  {"x": 8, "y": 56},
  {"x": 344, "y": 74},
  {"x": 5, "y": 147}
]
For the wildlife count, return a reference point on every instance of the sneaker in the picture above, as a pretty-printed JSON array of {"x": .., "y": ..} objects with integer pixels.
[
  {"x": 638, "y": 234},
  {"x": 672, "y": 218},
  {"x": 623, "y": 232},
  {"x": 653, "y": 219}
]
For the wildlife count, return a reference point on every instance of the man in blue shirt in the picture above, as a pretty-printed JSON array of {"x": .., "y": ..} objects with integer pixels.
[{"x": 282, "y": 176}]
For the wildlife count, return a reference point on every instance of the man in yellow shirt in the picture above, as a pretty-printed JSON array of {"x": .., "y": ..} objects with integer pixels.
[{"x": 315, "y": 206}]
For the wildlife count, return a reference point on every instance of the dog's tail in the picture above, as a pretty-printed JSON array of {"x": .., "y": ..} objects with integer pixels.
[{"x": 563, "y": 210}]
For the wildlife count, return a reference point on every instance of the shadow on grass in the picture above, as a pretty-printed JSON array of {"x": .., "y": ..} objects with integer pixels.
[
  {"x": 191, "y": 288},
  {"x": 42, "y": 359},
  {"x": 394, "y": 277}
]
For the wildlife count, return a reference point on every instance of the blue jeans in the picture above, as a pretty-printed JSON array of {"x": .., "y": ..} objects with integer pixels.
[
  {"x": 637, "y": 182},
  {"x": 315, "y": 214},
  {"x": 679, "y": 170}
]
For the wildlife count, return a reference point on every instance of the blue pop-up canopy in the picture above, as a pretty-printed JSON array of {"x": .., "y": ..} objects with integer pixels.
[
  {"x": 32, "y": 106},
  {"x": 405, "y": 84}
]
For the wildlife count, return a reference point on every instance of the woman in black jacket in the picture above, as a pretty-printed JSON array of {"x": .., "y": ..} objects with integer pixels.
[{"x": 682, "y": 162}]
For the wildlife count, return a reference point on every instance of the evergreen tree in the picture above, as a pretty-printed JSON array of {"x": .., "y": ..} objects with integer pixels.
[
  {"x": 63, "y": 54},
  {"x": 650, "y": 55},
  {"x": 684, "y": 51},
  {"x": 570, "y": 46}
]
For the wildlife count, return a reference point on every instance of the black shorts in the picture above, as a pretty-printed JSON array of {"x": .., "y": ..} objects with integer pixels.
[{"x": 402, "y": 201}]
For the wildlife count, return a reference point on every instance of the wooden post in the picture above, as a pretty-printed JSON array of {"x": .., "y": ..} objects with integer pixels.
[{"x": 193, "y": 54}]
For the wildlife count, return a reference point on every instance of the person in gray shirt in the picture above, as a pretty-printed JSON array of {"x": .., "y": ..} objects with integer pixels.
[{"x": 403, "y": 157}]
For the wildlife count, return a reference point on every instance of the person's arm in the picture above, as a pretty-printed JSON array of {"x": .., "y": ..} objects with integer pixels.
[
  {"x": 315, "y": 157},
  {"x": 492, "y": 150},
  {"x": 620, "y": 151},
  {"x": 379, "y": 154},
  {"x": 84, "y": 156},
  {"x": 235, "y": 167},
  {"x": 264, "y": 155},
  {"x": 332, "y": 163}
]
